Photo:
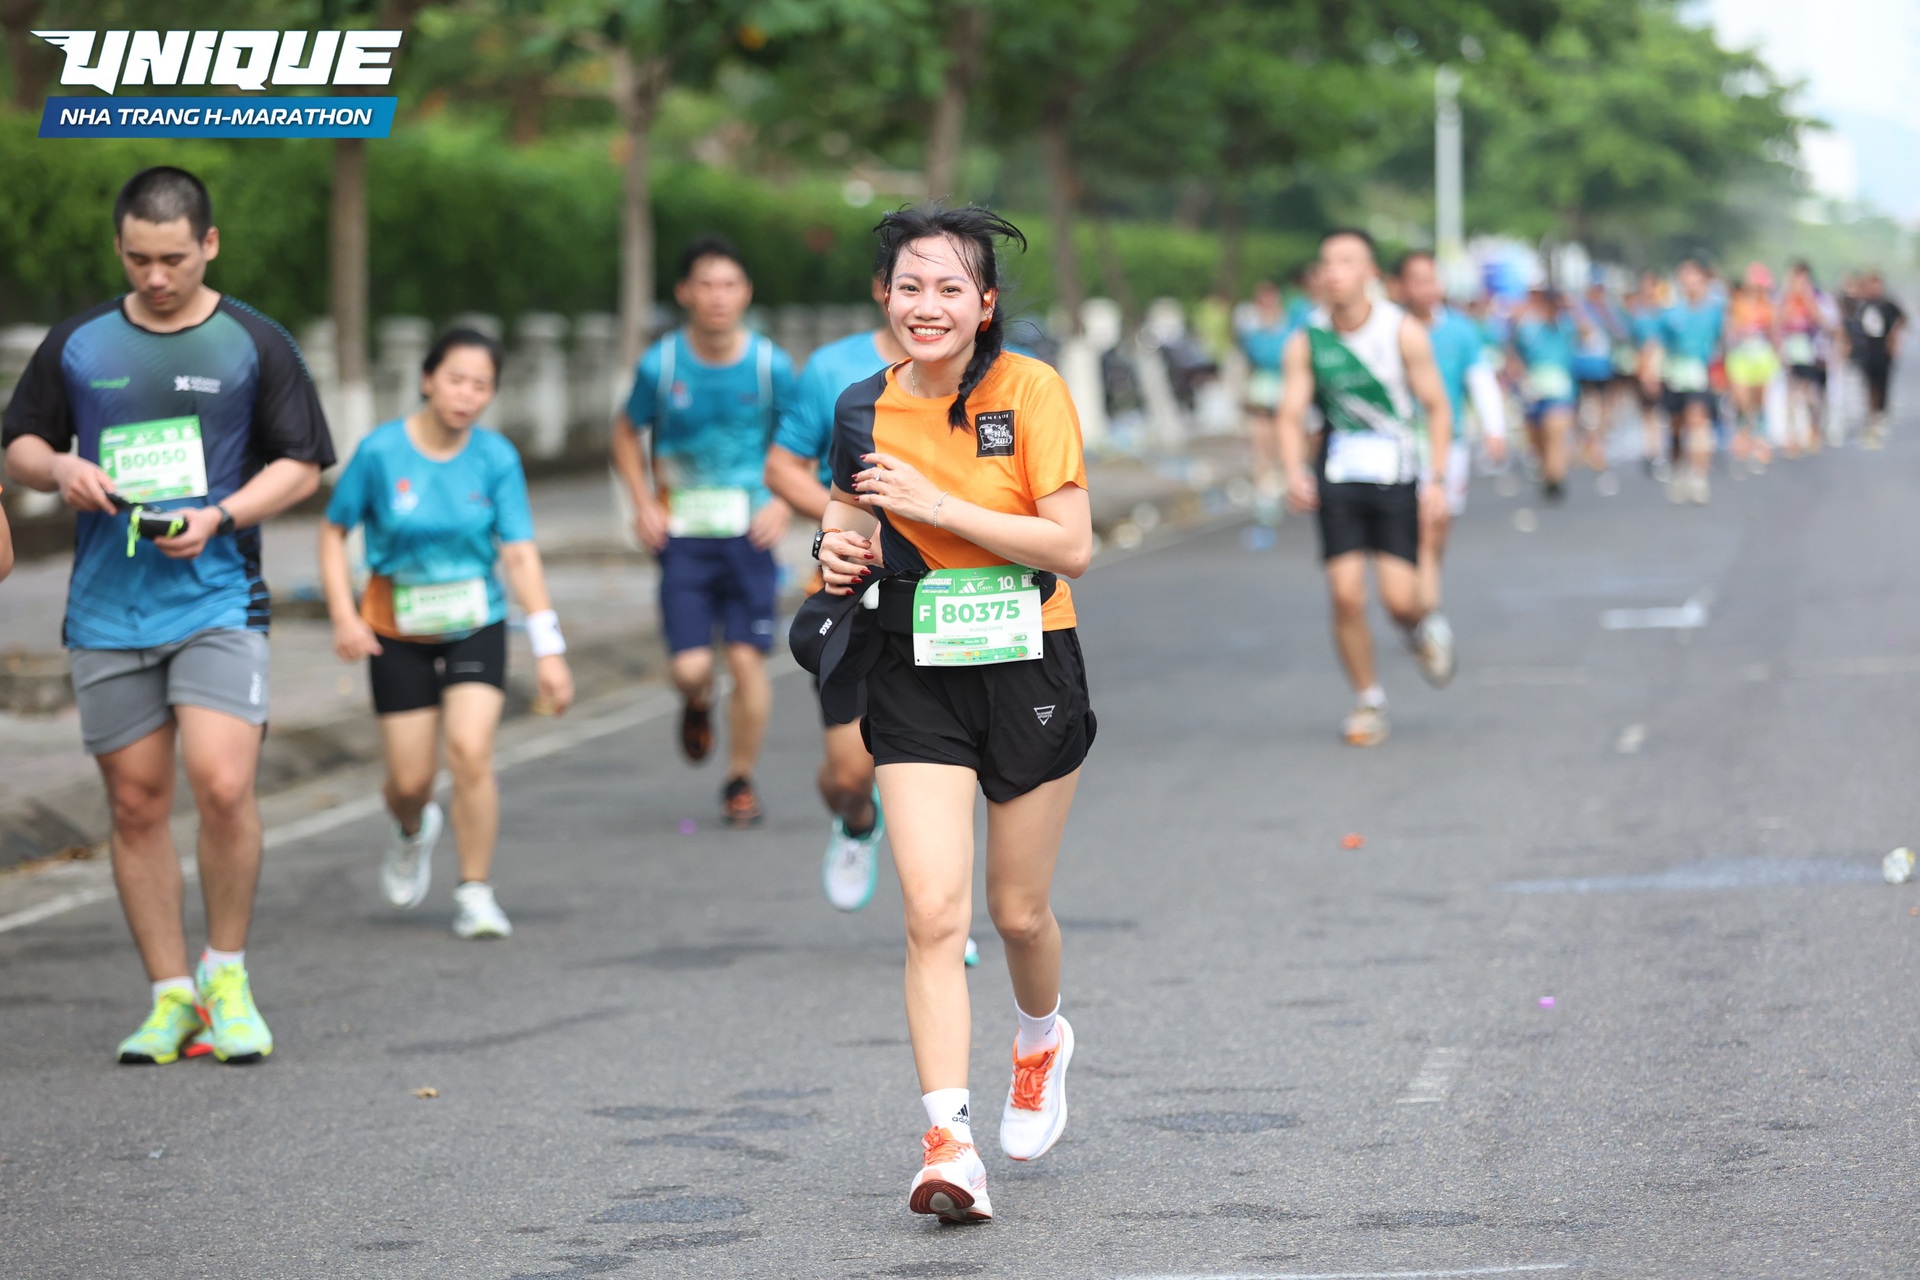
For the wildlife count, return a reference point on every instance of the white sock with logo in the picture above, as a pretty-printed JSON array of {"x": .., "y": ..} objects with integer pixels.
[
  {"x": 173, "y": 984},
  {"x": 214, "y": 959},
  {"x": 1037, "y": 1035},
  {"x": 949, "y": 1109}
]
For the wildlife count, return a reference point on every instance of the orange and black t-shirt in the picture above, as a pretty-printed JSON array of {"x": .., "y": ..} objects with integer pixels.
[{"x": 1024, "y": 446}]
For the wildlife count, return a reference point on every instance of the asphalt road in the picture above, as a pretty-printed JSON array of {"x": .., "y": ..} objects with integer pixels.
[{"x": 1612, "y": 988}]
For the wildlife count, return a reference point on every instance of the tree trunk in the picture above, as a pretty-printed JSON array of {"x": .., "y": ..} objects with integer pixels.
[
  {"x": 966, "y": 39},
  {"x": 1113, "y": 270},
  {"x": 1063, "y": 196},
  {"x": 636, "y": 91},
  {"x": 1233, "y": 246},
  {"x": 525, "y": 100},
  {"x": 347, "y": 292},
  {"x": 30, "y": 60}
]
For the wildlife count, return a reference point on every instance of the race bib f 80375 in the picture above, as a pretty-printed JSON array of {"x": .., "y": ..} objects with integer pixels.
[
  {"x": 709, "y": 513},
  {"x": 155, "y": 461},
  {"x": 971, "y": 617},
  {"x": 440, "y": 608}
]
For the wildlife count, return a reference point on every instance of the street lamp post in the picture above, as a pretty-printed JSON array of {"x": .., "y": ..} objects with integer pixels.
[{"x": 1449, "y": 237}]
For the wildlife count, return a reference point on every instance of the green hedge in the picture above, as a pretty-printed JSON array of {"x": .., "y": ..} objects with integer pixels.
[{"x": 460, "y": 222}]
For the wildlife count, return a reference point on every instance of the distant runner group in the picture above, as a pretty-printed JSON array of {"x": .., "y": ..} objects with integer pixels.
[{"x": 945, "y": 474}]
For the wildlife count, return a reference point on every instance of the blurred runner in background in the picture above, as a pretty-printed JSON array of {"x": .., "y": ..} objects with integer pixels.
[
  {"x": 1874, "y": 339},
  {"x": 1543, "y": 343},
  {"x": 1603, "y": 331},
  {"x": 441, "y": 502},
  {"x": 1459, "y": 353},
  {"x": 708, "y": 395},
  {"x": 1808, "y": 324},
  {"x": 1752, "y": 364},
  {"x": 1685, "y": 344},
  {"x": 799, "y": 471},
  {"x": 1262, "y": 343},
  {"x": 1644, "y": 306}
]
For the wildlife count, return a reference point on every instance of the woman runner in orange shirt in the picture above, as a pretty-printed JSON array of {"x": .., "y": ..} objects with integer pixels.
[{"x": 958, "y": 475}]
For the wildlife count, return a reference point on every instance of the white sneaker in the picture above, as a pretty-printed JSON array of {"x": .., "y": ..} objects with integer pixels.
[
  {"x": 1433, "y": 647},
  {"x": 408, "y": 868},
  {"x": 852, "y": 865},
  {"x": 1036, "y": 1111},
  {"x": 476, "y": 914},
  {"x": 952, "y": 1183},
  {"x": 1365, "y": 726},
  {"x": 1702, "y": 490}
]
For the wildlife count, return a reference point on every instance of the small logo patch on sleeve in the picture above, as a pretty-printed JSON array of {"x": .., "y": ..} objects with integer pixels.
[{"x": 993, "y": 431}]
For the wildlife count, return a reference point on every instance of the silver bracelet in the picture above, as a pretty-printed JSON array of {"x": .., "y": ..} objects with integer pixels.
[{"x": 936, "y": 509}]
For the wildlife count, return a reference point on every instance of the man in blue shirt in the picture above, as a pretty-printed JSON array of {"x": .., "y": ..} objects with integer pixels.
[
  {"x": 196, "y": 412},
  {"x": 799, "y": 472},
  {"x": 1643, "y": 326},
  {"x": 708, "y": 395},
  {"x": 1459, "y": 352},
  {"x": 1543, "y": 339},
  {"x": 1683, "y": 348}
]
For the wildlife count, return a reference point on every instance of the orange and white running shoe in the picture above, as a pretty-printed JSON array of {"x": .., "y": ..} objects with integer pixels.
[
  {"x": 952, "y": 1183},
  {"x": 1036, "y": 1111}
]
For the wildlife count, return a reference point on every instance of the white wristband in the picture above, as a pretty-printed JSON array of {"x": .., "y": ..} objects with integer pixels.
[{"x": 543, "y": 633}]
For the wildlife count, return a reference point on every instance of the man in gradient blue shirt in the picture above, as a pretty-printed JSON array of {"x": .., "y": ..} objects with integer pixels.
[
  {"x": 191, "y": 419},
  {"x": 708, "y": 395}
]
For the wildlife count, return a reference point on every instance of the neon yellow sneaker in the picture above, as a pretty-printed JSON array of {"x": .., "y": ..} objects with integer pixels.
[
  {"x": 167, "y": 1031},
  {"x": 238, "y": 1031}
]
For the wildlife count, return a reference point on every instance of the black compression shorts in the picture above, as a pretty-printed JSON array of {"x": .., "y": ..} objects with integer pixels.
[{"x": 408, "y": 675}]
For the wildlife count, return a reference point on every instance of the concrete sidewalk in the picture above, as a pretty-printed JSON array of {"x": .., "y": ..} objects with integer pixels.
[{"x": 51, "y": 801}]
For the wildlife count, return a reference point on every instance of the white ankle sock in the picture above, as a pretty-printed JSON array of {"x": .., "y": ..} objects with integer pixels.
[
  {"x": 1037, "y": 1035},
  {"x": 214, "y": 959},
  {"x": 1374, "y": 696},
  {"x": 949, "y": 1109},
  {"x": 173, "y": 984}
]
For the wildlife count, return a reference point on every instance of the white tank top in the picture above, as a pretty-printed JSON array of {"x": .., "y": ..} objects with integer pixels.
[{"x": 1377, "y": 344}]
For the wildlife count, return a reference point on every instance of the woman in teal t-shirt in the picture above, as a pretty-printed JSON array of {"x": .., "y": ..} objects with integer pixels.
[{"x": 440, "y": 501}]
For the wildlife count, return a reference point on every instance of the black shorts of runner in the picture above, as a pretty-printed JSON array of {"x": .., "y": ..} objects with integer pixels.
[
  {"x": 409, "y": 675},
  {"x": 1370, "y": 517},
  {"x": 1015, "y": 724},
  {"x": 1594, "y": 386},
  {"x": 1877, "y": 372},
  {"x": 1678, "y": 402},
  {"x": 1815, "y": 374}
]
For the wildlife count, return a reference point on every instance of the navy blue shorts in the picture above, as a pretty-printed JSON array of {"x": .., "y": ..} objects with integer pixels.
[{"x": 709, "y": 583}]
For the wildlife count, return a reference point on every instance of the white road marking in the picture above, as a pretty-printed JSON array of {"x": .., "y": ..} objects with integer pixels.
[
  {"x": 1524, "y": 1268},
  {"x": 56, "y": 906},
  {"x": 1435, "y": 1078},
  {"x": 1631, "y": 739},
  {"x": 1688, "y": 617}
]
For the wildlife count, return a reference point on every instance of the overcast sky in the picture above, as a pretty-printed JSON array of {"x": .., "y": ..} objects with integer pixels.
[{"x": 1860, "y": 61}]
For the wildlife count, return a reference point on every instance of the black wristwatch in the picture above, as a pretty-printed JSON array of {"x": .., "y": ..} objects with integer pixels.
[
  {"x": 818, "y": 538},
  {"x": 226, "y": 519}
]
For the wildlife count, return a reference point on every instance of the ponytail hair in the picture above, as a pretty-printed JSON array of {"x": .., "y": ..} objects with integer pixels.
[{"x": 973, "y": 231}]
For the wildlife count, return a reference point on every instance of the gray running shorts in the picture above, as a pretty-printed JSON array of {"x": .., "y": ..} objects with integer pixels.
[{"x": 125, "y": 694}]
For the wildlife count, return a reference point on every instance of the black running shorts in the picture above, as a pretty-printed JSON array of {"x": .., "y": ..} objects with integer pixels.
[
  {"x": 408, "y": 675},
  {"x": 1383, "y": 518},
  {"x": 1015, "y": 724}
]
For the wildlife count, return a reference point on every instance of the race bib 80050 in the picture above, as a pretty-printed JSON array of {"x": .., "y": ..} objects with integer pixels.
[
  {"x": 155, "y": 461},
  {"x": 971, "y": 617}
]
